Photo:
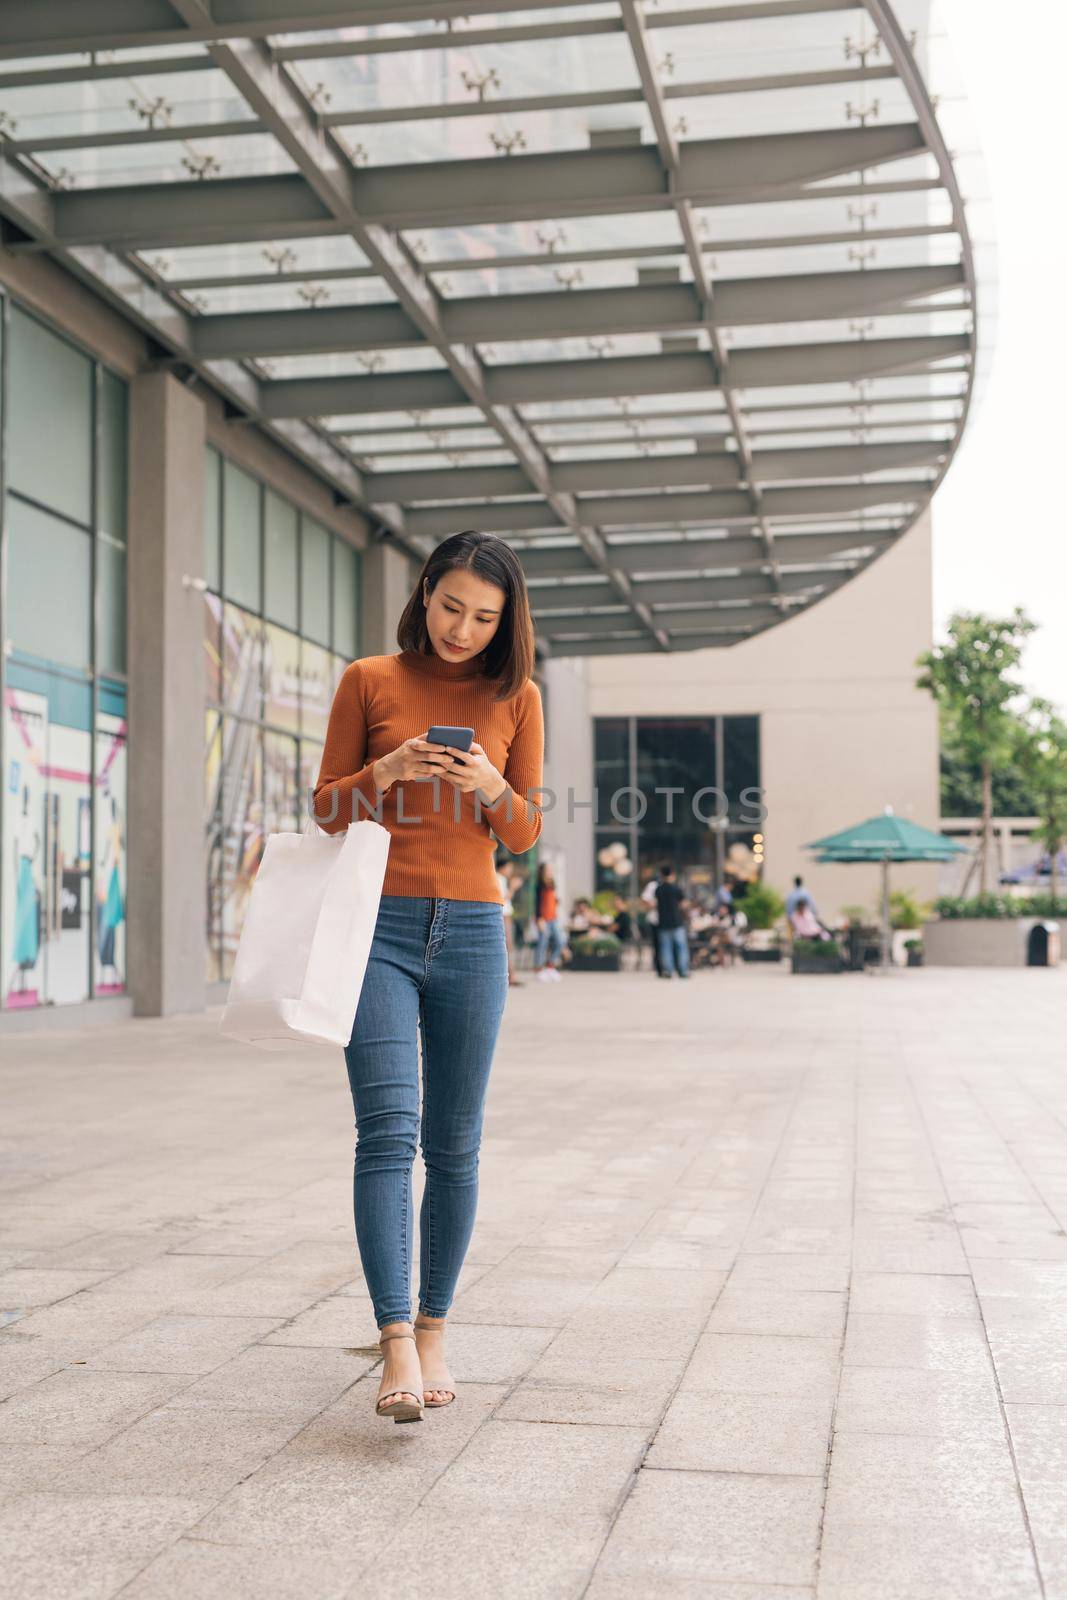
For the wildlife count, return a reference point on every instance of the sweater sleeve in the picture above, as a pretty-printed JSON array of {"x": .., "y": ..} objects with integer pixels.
[
  {"x": 515, "y": 818},
  {"x": 345, "y": 771}
]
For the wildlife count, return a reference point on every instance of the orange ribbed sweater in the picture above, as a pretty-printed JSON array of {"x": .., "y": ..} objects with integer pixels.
[{"x": 383, "y": 700}]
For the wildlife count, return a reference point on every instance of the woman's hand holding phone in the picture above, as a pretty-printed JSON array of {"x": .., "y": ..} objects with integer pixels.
[
  {"x": 466, "y": 770},
  {"x": 472, "y": 770},
  {"x": 415, "y": 758}
]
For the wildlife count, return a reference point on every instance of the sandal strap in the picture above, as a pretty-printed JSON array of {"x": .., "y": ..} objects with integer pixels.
[{"x": 382, "y": 1337}]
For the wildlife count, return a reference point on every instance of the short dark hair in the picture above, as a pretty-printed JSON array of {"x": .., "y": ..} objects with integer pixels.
[
  {"x": 666, "y": 871},
  {"x": 509, "y": 656},
  {"x": 798, "y": 882}
]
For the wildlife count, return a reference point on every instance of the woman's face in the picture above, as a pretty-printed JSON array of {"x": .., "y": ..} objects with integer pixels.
[{"x": 462, "y": 614}]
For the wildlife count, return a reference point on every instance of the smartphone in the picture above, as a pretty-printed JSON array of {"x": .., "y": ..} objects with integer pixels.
[{"x": 458, "y": 738}]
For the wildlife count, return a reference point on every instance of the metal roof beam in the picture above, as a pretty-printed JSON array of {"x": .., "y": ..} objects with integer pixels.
[
  {"x": 777, "y": 242},
  {"x": 53, "y": 26},
  {"x": 644, "y": 308},
  {"x": 658, "y": 510},
  {"x": 740, "y": 550},
  {"x": 606, "y": 377},
  {"x": 709, "y": 469},
  {"x": 605, "y": 181},
  {"x": 556, "y": 28}
]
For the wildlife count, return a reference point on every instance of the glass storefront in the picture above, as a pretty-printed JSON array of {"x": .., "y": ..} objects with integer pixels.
[
  {"x": 63, "y": 612},
  {"x": 678, "y": 789},
  {"x": 281, "y": 623}
]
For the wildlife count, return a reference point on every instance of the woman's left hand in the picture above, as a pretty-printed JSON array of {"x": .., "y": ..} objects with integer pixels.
[{"x": 474, "y": 771}]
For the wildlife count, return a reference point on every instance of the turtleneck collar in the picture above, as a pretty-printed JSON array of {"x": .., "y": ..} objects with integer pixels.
[{"x": 435, "y": 666}]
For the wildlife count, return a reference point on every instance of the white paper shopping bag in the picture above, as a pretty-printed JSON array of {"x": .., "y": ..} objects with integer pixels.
[{"x": 307, "y": 935}]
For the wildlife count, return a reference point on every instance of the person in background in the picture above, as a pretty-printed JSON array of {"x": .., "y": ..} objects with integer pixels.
[
  {"x": 670, "y": 915},
  {"x": 648, "y": 898},
  {"x": 805, "y": 924},
  {"x": 623, "y": 925},
  {"x": 797, "y": 896},
  {"x": 549, "y": 932},
  {"x": 503, "y": 878},
  {"x": 581, "y": 920}
]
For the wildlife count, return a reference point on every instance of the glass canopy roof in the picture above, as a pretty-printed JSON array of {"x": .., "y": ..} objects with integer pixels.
[{"x": 677, "y": 297}]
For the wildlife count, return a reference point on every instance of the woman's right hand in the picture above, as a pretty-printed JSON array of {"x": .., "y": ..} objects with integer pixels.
[{"x": 415, "y": 758}]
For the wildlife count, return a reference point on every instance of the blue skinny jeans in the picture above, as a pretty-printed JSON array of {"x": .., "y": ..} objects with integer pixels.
[
  {"x": 673, "y": 951},
  {"x": 437, "y": 968}
]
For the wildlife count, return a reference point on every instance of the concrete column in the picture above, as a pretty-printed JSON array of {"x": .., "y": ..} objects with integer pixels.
[
  {"x": 388, "y": 579},
  {"x": 166, "y": 960}
]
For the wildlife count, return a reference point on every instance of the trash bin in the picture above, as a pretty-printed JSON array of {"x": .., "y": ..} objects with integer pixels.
[{"x": 1043, "y": 945}]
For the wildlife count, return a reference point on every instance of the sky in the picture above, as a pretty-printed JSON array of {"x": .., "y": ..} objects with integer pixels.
[{"x": 1000, "y": 524}]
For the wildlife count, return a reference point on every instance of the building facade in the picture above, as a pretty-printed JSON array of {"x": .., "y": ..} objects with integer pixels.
[
  {"x": 179, "y": 598},
  {"x": 822, "y": 713}
]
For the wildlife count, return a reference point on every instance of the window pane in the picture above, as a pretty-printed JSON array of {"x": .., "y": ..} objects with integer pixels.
[
  {"x": 242, "y": 663},
  {"x": 212, "y": 530},
  {"x": 241, "y": 828},
  {"x": 345, "y": 599},
  {"x": 316, "y": 690},
  {"x": 213, "y": 842},
  {"x": 282, "y": 678},
  {"x": 49, "y": 431},
  {"x": 48, "y": 586},
  {"x": 740, "y": 741},
  {"x": 47, "y": 899},
  {"x": 109, "y": 968},
  {"x": 212, "y": 649},
  {"x": 280, "y": 548},
  {"x": 240, "y": 537},
  {"x": 675, "y": 753},
  {"x": 612, "y": 736},
  {"x": 310, "y": 762},
  {"x": 111, "y": 607},
  {"x": 315, "y": 582},
  {"x": 281, "y": 800},
  {"x": 111, "y": 458}
]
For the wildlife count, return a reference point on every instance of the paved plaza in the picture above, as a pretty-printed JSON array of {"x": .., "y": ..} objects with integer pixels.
[{"x": 767, "y": 1301}]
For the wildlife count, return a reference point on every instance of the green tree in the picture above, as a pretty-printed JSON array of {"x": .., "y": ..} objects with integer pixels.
[
  {"x": 970, "y": 677},
  {"x": 1041, "y": 757}
]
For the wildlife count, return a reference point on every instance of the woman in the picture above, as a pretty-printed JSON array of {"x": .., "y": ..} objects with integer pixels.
[
  {"x": 507, "y": 889},
  {"x": 549, "y": 932},
  {"x": 438, "y": 962}
]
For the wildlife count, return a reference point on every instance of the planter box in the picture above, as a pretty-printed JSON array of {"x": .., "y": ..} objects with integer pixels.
[
  {"x": 978, "y": 941},
  {"x": 814, "y": 964},
  {"x": 773, "y": 954},
  {"x": 586, "y": 963}
]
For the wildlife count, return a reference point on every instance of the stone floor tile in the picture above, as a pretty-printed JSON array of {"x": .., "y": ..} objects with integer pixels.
[
  {"x": 176, "y": 1343},
  {"x": 891, "y": 1560},
  {"x": 24, "y": 1467},
  {"x": 195, "y": 1567},
  {"x": 78, "y": 1407},
  {"x": 655, "y": 1587},
  {"x": 812, "y": 1312},
  {"x": 276, "y": 1378},
  {"x": 917, "y": 1400},
  {"x": 913, "y": 1294},
  {"x": 541, "y": 1469},
  {"x": 966, "y": 1483},
  {"x": 85, "y": 1547},
  {"x": 950, "y": 1344},
  {"x": 687, "y": 1527},
  {"x": 764, "y": 1364},
  {"x": 518, "y": 1554},
  {"x": 27, "y": 1286},
  {"x": 174, "y": 1451},
  {"x": 778, "y": 1271},
  {"x": 759, "y": 1433}
]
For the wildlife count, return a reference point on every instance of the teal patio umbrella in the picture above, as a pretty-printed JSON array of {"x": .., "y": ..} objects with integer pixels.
[{"x": 885, "y": 839}]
